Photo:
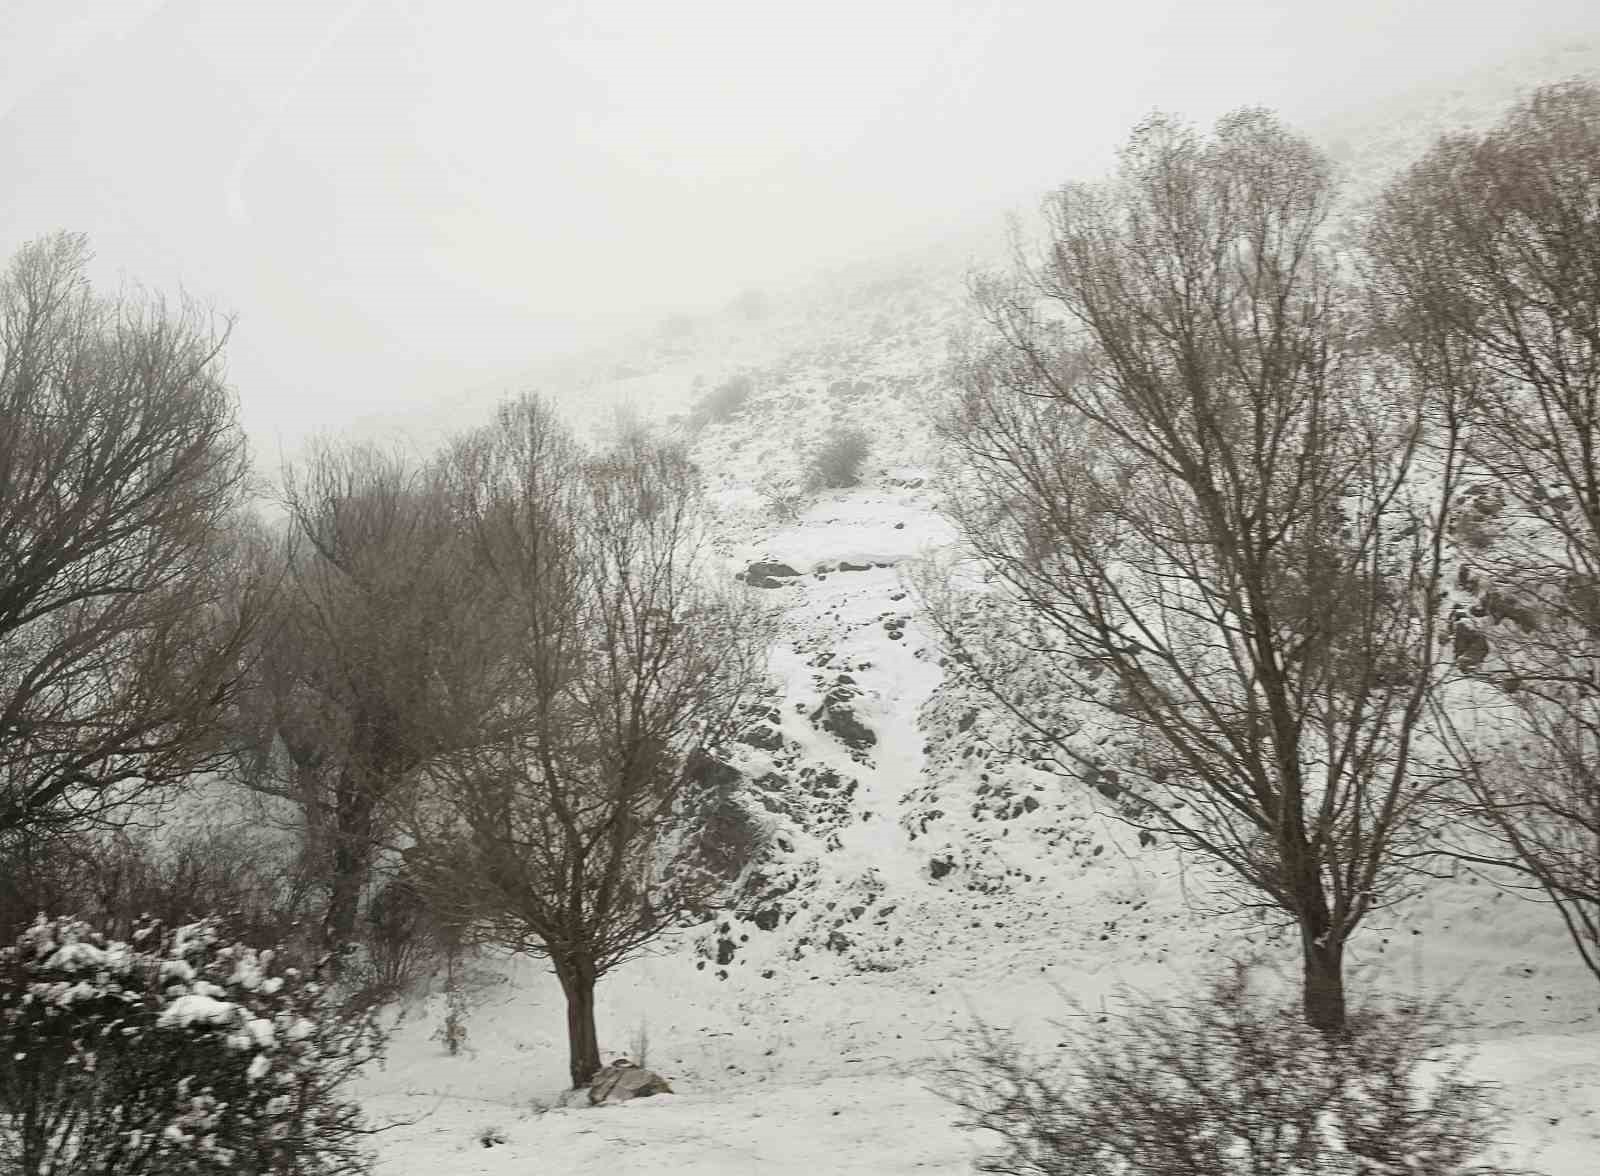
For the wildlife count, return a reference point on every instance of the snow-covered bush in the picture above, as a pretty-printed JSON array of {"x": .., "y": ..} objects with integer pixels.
[
  {"x": 1232, "y": 1085},
  {"x": 174, "y": 1051}
]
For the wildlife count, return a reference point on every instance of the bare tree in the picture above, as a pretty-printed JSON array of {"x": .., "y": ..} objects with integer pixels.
[
  {"x": 126, "y": 596},
  {"x": 618, "y": 670},
  {"x": 1193, "y": 488},
  {"x": 1486, "y": 260},
  {"x": 376, "y": 623}
]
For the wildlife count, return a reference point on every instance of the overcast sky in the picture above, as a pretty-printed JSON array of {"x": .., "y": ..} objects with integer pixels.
[{"x": 403, "y": 198}]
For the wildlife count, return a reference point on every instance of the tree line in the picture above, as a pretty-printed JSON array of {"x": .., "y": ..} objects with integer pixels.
[
  {"x": 1288, "y": 514},
  {"x": 500, "y": 673}
]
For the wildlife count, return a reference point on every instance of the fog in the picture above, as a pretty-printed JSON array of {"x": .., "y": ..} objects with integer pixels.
[{"x": 403, "y": 199}]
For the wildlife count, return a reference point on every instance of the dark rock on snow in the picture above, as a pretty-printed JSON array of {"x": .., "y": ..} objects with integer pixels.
[{"x": 622, "y": 1080}]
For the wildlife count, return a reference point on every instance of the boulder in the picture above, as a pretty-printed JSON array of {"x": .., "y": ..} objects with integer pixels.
[
  {"x": 622, "y": 1080},
  {"x": 758, "y": 571}
]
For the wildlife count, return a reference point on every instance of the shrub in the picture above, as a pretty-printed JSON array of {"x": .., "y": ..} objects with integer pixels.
[
  {"x": 722, "y": 402},
  {"x": 117, "y": 880},
  {"x": 451, "y": 1032},
  {"x": 784, "y": 499},
  {"x": 1232, "y": 1086},
  {"x": 752, "y": 304},
  {"x": 837, "y": 464},
  {"x": 171, "y": 1051},
  {"x": 403, "y": 940}
]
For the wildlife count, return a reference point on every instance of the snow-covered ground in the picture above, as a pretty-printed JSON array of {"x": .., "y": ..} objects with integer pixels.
[
  {"x": 933, "y": 875},
  {"x": 800, "y": 1057}
]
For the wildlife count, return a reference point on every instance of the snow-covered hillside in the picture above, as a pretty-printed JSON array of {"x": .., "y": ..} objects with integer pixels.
[{"x": 922, "y": 870}]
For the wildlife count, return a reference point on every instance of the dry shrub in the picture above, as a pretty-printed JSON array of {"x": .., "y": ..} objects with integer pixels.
[
  {"x": 837, "y": 464},
  {"x": 1230, "y": 1085},
  {"x": 118, "y": 879},
  {"x": 722, "y": 402}
]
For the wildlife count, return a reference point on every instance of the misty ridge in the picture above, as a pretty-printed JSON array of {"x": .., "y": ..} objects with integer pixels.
[{"x": 1109, "y": 693}]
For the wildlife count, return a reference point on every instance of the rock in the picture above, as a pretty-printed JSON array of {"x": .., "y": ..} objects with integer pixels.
[
  {"x": 1501, "y": 606},
  {"x": 725, "y": 950},
  {"x": 838, "y": 718},
  {"x": 706, "y": 772},
  {"x": 841, "y": 722},
  {"x": 940, "y": 868},
  {"x": 765, "y": 582},
  {"x": 622, "y": 1080},
  {"x": 763, "y": 736},
  {"x": 846, "y": 566},
  {"x": 1103, "y": 780},
  {"x": 1470, "y": 646},
  {"x": 1583, "y": 596},
  {"x": 760, "y": 570}
]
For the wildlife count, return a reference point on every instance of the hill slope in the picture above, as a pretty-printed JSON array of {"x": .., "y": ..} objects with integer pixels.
[{"x": 922, "y": 869}]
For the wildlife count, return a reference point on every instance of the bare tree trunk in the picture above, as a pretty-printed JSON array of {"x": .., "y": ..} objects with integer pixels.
[
  {"x": 583, "y": 1044},
  {"x": 350, "y": 864},
  {"x": 1323, "y": 983}
]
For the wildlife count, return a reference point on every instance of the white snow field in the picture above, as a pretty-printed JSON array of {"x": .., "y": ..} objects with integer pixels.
[
  {"x": 805, "y": 1059},
  {"x": 933, "y": 876}
]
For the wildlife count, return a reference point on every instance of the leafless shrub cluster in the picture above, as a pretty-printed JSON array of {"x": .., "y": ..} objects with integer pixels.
[
  {"x": 1230, "y": 1085},
  {"x": 837, "y": 463}
]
